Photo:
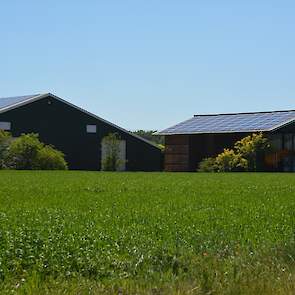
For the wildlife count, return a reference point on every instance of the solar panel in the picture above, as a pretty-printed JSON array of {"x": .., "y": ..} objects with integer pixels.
[
  {"x": 9, "y": 101},
  {"x": 243, "y": 122}
]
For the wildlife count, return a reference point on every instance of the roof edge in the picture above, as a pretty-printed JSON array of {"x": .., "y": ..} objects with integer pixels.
[{"x": 279, "y": 126}]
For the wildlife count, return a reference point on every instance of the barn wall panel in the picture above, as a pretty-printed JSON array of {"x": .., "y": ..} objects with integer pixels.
[{"x": 177, "y": 153}]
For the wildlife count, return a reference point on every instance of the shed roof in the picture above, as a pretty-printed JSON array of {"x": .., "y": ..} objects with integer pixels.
[{"x": 232, "y": 123}]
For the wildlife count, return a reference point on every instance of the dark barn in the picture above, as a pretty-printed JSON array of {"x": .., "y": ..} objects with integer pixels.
[
  {"x": 188, "y": 142},
  {"x": 76, "y": 132}
]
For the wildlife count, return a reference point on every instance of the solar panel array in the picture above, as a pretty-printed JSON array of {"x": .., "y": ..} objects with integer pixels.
[
  {"x": 9, "y": 101},
  {"x": 226, "y": 123}
]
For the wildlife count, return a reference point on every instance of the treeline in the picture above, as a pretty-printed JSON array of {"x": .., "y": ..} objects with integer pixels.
[{"x": 148, "y": 135}]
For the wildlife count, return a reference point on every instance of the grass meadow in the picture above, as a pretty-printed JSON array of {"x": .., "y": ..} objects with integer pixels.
[{"x": 146, "y": 233}]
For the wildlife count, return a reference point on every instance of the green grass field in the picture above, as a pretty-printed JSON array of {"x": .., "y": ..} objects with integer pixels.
[{"x": 154, "y": 233}]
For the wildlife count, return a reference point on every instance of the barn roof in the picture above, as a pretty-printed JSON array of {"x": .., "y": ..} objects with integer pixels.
[
  {"x": 9, "y": 103},
  {"x": 232, "y": 123}
]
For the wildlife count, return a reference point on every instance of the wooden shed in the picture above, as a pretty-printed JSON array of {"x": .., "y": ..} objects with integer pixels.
[
  {"x": 75, "y": 131},
  {"x": 202, "y": 136}
]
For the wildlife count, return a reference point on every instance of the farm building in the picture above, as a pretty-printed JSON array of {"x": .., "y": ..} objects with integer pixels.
[
  {"x": 188, "y": 142},
  {"x": 76, "y": 132}
]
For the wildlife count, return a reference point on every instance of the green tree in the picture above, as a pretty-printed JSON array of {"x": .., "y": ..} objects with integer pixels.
[{"x": 149, "y": 135}]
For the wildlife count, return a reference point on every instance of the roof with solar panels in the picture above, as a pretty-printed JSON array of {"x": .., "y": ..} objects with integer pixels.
[{"x": 232, "y": 123}]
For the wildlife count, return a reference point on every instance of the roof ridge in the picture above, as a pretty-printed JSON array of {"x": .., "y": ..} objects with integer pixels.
[{"x": 243, "y": 113}]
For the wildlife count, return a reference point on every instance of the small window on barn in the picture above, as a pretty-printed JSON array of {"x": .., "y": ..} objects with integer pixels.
[
  {"x": 5, "y": 125},
  {"x": 91, "y": 128}
]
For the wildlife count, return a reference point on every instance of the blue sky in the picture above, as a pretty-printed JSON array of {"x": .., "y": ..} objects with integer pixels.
[{"x": 147, "y": 64}]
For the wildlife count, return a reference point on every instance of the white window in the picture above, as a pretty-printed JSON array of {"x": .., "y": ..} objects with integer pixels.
[
  {"x": 91, "y": 128},
  {"x": 5, "y": 125}
]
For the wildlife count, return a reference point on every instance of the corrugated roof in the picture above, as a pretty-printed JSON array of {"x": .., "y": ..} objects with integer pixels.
[
  {"x": 232, "y": 123},
  {"x": 10, "y": 101}
]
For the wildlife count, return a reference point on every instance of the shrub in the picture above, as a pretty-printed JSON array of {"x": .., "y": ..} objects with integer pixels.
[
  {"x": 228, "y": 161},
  {"x": 23, "y": 151},
  {"x": 111, "y": 146},
  {"x": 250, "y": 146},
  {"x": 207, "y": 165},
  {"x": 27, "y": 152},
  {"x": 48, "y": 158}
]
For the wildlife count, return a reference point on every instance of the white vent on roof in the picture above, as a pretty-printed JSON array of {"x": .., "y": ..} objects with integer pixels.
[{"x": 5, "y": 125}]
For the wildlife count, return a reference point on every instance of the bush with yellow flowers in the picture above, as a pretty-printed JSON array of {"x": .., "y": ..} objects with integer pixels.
[{"x": 243, "y": 157}]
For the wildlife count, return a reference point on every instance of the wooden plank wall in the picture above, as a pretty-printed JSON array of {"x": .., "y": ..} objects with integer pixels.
[{"x": 176, "y": 153}]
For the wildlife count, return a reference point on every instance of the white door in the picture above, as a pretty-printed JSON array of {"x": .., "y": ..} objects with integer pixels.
[{"x": 122, "y": 154}]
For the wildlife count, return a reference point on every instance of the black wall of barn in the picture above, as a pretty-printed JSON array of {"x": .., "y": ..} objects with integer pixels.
[{"x": 65, "y": 127}]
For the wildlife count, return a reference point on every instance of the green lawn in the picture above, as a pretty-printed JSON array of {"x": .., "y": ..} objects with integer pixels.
[{"x": 155, "y": 233}]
